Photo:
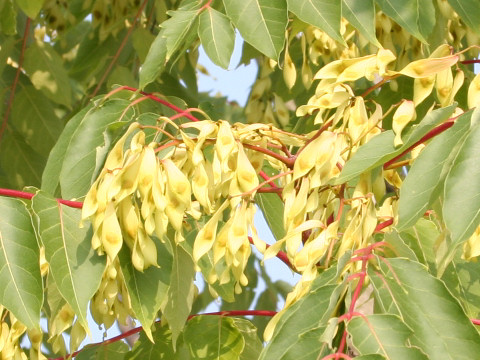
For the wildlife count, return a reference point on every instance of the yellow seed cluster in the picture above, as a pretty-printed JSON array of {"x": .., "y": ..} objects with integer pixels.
[{"x": 10, "y": 333}]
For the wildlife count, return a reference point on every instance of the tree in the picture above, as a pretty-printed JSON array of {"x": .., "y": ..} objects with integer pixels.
[{"x": 120, "y": 181}]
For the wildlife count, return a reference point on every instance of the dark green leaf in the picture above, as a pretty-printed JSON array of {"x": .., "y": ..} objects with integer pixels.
[
  {"x": 8, "y": 20},
  {"x": 380, "y": 149},
  {"x": 178, "y": 303},
  {"x": 34, "y": 118},
  {"x": 22, "y": 165},
  {"x": 74, "y": 265},
  {"x": 324, "y": 14},
  {"x": 361, "y": 14},
  {"x": 45, "y": 69},
  {"x": 428, "y": 172},
  {"x": 217, "y": 36},
  {"x": 383, "y": 334},
  {"x": 213, "y": 337},
  {"x": 469, "y": 12},
  {"x": 261, "y": 23},
  {"x": 21, "y": 288},
  {"x": 147, "y": 289},
  {"x": 440, "y": 327},
  {"x": 462, "y": 186}
]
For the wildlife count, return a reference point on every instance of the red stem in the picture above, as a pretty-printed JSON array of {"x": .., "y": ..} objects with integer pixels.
[
  {"x": 432, "y": 133},
  {"x": 120, "y": 49},
  {"x": 138, "y": 329},
  {"x": 15, "y": 81},
  {"x": 26, "y": 195},
  {"x": 154, "y": 98},
  {"x": 383, "y": 225},
  {"x": 281, "y": 255},
  {"x": 287, "y": 161},
  {"x": 473, "y": 61}
]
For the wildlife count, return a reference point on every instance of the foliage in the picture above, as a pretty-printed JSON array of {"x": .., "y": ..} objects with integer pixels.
[{"x": 120, "y": 181}]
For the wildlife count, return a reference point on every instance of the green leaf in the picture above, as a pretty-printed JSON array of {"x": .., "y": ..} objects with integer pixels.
[
  {"x": 426, "y": 18},
  {"x": 262, "y": 23},
  {"x": 74, "y": 265},
  {"x": 324, "y": 14},
  {"x": 21, "y": 288},
  {"x": 161, "y": 348},
  {"x": 311, "y": 312},
  {"x": 380, "y": 149},
  {"x": 51, "y": 173},
  {"x": 468, "y": 11},
  {"x": 30, "y": 7},
  {"x": 178, "y": 303},
  {"x": 46, "y": 72},
  {"x": 155, "y": 61},
  {"x": 213, "y": 338},
  {"x": 361, "y": 14},
  {"x": 253, "y": 345},
  {"x": 147, "y": 289},
  {"x": 116, "y": 350},
  {"x": 34, "y": 118},
  {"x": 420, "y": 188},
  {"x": 79, "y": 161},
  {"x": 217, "y": 36},
  {"x": 177, "y": 28},
  {"x": 383, "y": 334},
  {"x": 440, "y": 327},
  {"x": 405, "y": 13},
  {"x": 272, "y": 209},
  {"x": 461, "y": 279},
  {"x": 462, "y": 186}
]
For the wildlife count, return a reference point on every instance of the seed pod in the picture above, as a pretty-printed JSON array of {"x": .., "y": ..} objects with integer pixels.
[
  {"x": 289, "y": 71},
  {"x": 427, "y": 67},
  {"x": 111, "y": 233},
  {"x": 474, "y": 92},
  {"x": 404, "y": 114},
  {"x": 245, "y": 173}
]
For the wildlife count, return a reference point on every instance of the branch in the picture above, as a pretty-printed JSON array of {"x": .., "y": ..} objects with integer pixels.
[
  {"x": 120, "y": 49},
  {"x": 15, "y": 81},
  {"x": 29, "y": 196},
  {"x": 287, "y": 161},
  {"x": 154, "y": 98},
  {"x": 432, "y": 133},
  {"x": 138, "y": 329}
]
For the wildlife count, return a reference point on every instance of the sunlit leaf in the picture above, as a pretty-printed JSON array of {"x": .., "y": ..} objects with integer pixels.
[
  {"x": 177, "y": 28},
  {"x": 147, "y": 289},
  {"x": 261, "y": 23},
  {"x": 361, "y": 14},
  {"x": 74, "y": 265},
  {"x": 177, "y": 304},
  {"x": 272, "y": 209},
  {"x": 383, "y": 334},
  {"x": 116, "y": 350},
  {"x": 79, "y": 161},
  {"x": 161, "y": 348},
  {"x": 30, "y": 7},
  {"x": 21, "y": 288},
  {"x": 155, "y": 61},
  {"x": 217, "y": 36},
  {"x": 440, "y": 327},
  {"x": 462, "y": 185},
  {"x": 421, "y": 186},
  {"x": 324, "y": 14},
  {"x": 213, "y": 337},
  {"x": 380, "y": 148}
]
